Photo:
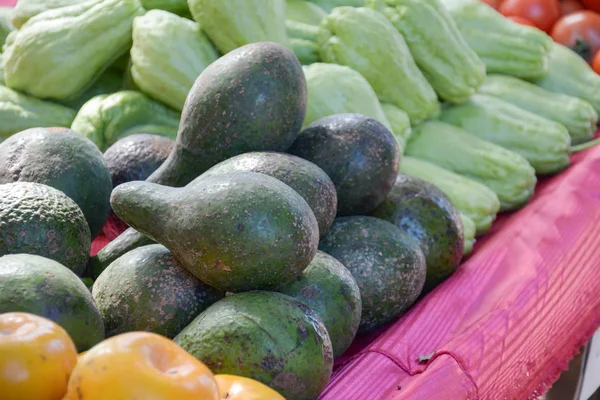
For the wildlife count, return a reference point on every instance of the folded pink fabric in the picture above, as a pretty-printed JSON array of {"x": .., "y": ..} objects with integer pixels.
[{"x": 511, "y": 317}]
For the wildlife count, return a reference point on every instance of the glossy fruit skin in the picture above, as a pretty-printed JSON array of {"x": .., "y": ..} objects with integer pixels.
[
  {"x": 593, "y": 5},
  {"x": 543, "y": 13},
  {"x": 580, "y": 25},
  {"x": 39, "y": 356},
  {"x": 233, "y": 387},
  {"x": 596, "y": 63},
  {"x": 569, "y": 6},
  {"x": 140, "y": 365},
  {"x": 493, "y": 3},
  {"x": 522, "y": 21}
]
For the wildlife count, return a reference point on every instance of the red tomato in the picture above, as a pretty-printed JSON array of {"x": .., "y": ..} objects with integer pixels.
[
  {"x": 582, "y": 25},
  {"x": 569, "y": 6},
  {"x": 593, "y": 5},
  {"x": 492, "y": 3},
  {"x": 543, "y": 13},
  {"x": 522, "y": 21},
  {"x": 596, "y": 63}
]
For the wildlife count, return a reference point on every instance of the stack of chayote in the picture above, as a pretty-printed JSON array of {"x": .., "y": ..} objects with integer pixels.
[{"x": 480, "y": 105}]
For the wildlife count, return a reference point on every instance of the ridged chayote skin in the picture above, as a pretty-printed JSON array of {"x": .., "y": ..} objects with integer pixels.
[
  {"x": 469, "y": 234},
  {"x": 472, "y": 199},
  {"x": 442, "y": 54},
  {"x": 399, "y": 122},
  {"x": 365, "y": 40},
  {"x": 544, "y": 143},
  {"x": 58, "y": 54},
  {"x": 19, "y": 112},
  {"x": 233, "y": 23},
  {"x": 304, "y": 11},
  {"x": 337, "y": 89},
  {"x": 505, "y": 47},
  {"x": 577, "y": 115},
  {"x": 6, "y": 26},
  {"x": 168, "y": 54},
  {"x": 107, "y": 118},
  {"x": 307, "y": 51},
  {"x": 329, "y": 5},
  {"x": 507, "y": 173},
  {"x": 26, "y": 9},
  {"x": 570, "y": 74}
]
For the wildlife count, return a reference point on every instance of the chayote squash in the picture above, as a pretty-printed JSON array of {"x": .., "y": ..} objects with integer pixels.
[
  {"x": 6, "y": 26},
  {"x": 304, "y": 11},
  {"x": 26, "y": 9},
  {"x": 336, "y": 89},
  {"x": 505, "y": 47},
  {"x": 366, "y": 41},
  {"x": 306, "y": 51},
  {"x": 505, "y": 172},
  {"x": 233, "y": 23},
  {"x": 168, "y": 54},
  {"x": 471, "y": 198},
  {"x": 469, "y": 231},
  {"x": 19, "y": 111},
  {"x": 542, "y": 142},
  {"x": 59, "y": 53},
  {"x": 300, "y": 30},
  {"x": 107, "y": 118},
  {"x": 1, "y": 69},
  {"x": 179, "y": 7},
  {"x": 329, "y": 5},
  {"x": 569, "y": 74},
  {"x": 442, "y": 54},
  {"x": 111, "y": 81},
  {"x": 399, "y": 122},
  {"x": 577, "y": 115}
]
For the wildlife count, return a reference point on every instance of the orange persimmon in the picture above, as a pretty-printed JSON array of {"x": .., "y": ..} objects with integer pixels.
[{"x": 234, "y": 387}]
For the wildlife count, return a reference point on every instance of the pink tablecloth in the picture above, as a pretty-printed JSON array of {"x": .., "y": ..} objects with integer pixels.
[
  {"x": 506, "y": 323},
  {"x": 8, "y": 3}
]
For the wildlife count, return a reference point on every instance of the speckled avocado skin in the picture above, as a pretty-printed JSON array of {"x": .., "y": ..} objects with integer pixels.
[
  {"x": 236, "y": 232},
  {"x": 329, "y": 289},
  {"x": 428, "y": 215},
  {"x": 269, "y": 337},
  {"x": 38, "y": 285},
  {"x": 251, "y": 99},
  {"x": 38, "y": 219},
  {"x": 65, "y": 160},
  {"x": 387, "y": 264},
  {"x": 147, "y": 290},
  {"x": 136, "y": 157},
  {"x": 359, "y": 154},
  {"x": 310, "y": 181}
]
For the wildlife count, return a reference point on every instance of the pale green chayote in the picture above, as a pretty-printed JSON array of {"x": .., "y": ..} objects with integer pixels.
[
  {"x": 58, "y": 53},
  {"x": 544, "y": 143},
  {"x": 366, "y": 41},
  {"x": 306, "y": 51},
  {"x": 337, "y": 89},
  {"x": 329, "y": 5},
  {"x": 469, "y": 231},
  {"x": 234, "y": 23},
  {"x": 300, "y": 30},
  {"x": 399, "y": 122},
  {"x": 505, "y": 47},
  {"x": 577, "y": 115},
  {"x": 471, "y": 198},
  {"x": 304, "y": 11},
  {"x": 26, "y": 9},
  {"x": 6, "y": 26},
  {"x": 507, "y": 173},
  {"x": 442, "y": 54},
  {"x": 1, "y": 69},
  {"x": 107, "y": 118},
  {"x": 168, "y": 54},
  {"x": 19, "y": 111},
  {"x": 569, "y": 74}
]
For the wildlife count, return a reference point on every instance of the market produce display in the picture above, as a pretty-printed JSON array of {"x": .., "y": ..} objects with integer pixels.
[{"x": 293, "y": 174}]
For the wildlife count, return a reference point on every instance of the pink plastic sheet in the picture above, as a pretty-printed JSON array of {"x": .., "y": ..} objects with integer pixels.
[{"x": 511, "y": 317}]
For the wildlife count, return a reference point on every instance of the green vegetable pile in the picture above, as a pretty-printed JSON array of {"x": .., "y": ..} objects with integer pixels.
[{"x": 328, "y": 161}]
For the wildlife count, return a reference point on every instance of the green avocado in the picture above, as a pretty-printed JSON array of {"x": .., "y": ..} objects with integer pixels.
[
  {"x": 386, "y": 262},
  {"x": 38, "y": 285},
  {"x": 270, "y": 337},
  {"x": 427, "y": 214},
  {"x": 310, "y": 181},
  {"x": 359, "y": 154},
  {"x": 329, "y": 289},
  {"x": 236, "y": 232},
  {"x": 147, "y": 290},
  {"x": 38, "y": 219},
  {"x": 65, "y": 160}
]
